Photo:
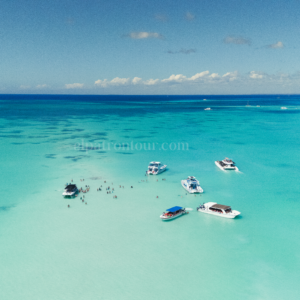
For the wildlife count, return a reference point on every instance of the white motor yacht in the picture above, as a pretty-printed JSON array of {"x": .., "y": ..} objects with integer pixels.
[
  {"x": 218, "y": 210},
  {"x": 207, "y": 108},
  {"x": 191, "y": 184},
  {"x": 173, "y": 212},
  {"x": 283, "y": 107},
  {"x": 226, "y": 164},
  {"x": 156, "y": 168},
  {"x": 70, "y": 190}
]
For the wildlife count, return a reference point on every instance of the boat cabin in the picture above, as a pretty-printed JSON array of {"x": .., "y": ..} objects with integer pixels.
[
  {"x": 220, "y": 208},
  {"x": 71, "y": 187},
  {"x": 174, "y": 210},
  {"x": 154, "y": 166},
  {"x": 228, "y": 161}
]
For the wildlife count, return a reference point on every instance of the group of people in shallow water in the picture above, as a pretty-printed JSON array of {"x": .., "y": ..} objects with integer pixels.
[
  {"x": 87, "y": 188},
  {"x": 108, "y": 189}
]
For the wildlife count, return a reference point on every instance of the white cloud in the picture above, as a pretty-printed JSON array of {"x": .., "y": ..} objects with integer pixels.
[
  {"x": 103, "y": 83},
  {"x": 206, "y": 82},
  {"x": 230, "y": 76},
  {"x": 115, "y": 81},
  {"x": 236, "y": 40},
  {"x": 255, "y": 75},
  {"x": 175, "y": 78},
  {"x": 199, "y": 75},
  {"x": 144, "y": 35},
  {"x": 189, "y": 16},
  {"x": 214, "y": 75},
  {"x": 74, "y": 85},
  {"x": 276, "y": 45},
  {"x": 41, "y": 86},
  {"x": 151, "y": 81},
  {"x": 119, "y": 81},
  {"x": 136, "y": 80}
]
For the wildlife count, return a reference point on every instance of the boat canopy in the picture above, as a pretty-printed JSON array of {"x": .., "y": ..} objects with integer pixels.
[
  {"x": 71, "y": 187},
  {"x": 174, "y": 209},
  {"x": 220, "y": 206},
  {"x": 154, "y": 164},
  {"x": 228, "y": 161}
]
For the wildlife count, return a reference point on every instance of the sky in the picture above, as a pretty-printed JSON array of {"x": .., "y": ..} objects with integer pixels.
[{"x": 149, "y": 47}]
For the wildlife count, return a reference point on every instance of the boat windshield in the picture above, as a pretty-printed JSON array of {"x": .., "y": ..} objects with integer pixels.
[
  {"x": 193, "y": 186},
  {"x": 153, "y": 165},
  {"x": 215, "y": 209}
]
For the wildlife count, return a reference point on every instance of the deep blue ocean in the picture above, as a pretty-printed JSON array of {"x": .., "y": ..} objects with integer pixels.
[{"x": 118, "y": 248}]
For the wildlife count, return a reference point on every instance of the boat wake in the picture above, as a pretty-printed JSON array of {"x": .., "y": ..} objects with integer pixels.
[{"x": 189, "y": 209}]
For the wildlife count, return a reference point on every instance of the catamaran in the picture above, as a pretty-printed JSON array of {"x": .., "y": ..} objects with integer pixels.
[
  {"x": 219, "y": 210},
  {"x": 70, "y": 190},
  {"x": 191, "y": 184},
  {"x": 226, "y": 164},
  {"x": 156, "y": 168},
  {"x": 173, "y": 212}
]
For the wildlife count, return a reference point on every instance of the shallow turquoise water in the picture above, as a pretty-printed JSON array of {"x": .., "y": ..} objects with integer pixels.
[{"x": 119, "y": 248}]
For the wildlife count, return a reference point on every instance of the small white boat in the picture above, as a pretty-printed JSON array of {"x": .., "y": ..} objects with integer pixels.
[
  {"x": 207, "y": 108},
  {"x": 191, "y": 184},
  {"x": 156, "y": 168},
  {"x": 226, "y": 164},
  {"x": 283, "y": 107},
  {"x": 173, "y": 212},
  {"x": 219, "y": 210},
  {"x": 70, "y": 190}
]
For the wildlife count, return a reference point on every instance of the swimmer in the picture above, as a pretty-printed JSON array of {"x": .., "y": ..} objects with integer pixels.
[
  {"x": 68, "y": 205},
  {"x": 132, "y": 187},
  {"x": 156, "y": 196},
  {"x": 85, "y": 203}
]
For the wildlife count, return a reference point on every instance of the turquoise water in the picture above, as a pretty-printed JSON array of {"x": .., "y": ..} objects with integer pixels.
[{"x": 119, "y": 248}]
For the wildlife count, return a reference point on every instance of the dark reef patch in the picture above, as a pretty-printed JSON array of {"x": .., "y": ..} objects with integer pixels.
[
  {"x": 37, "y": 136},
  {"x": 75, "y": 158},
  {"x": 50, "y": 155},
  {"x": 100, "y": 134},
  {"x": 16, "y": 131},
  {"x": 124, "y": 152},
  {"x": 14, "y": 136},
  {"x": 6, "y": 208}
]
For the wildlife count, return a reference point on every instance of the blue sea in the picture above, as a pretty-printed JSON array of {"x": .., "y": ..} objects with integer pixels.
[{"x": 118, "y": 248}]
